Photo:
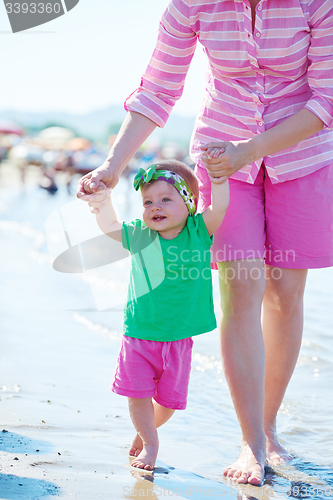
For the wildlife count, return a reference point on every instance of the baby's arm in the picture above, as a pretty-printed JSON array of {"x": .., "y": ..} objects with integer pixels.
[
  {"x": 214, "y": 214},
  {"x": 106, "y": 217}
]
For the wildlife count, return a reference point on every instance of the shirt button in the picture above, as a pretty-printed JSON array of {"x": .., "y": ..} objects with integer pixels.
[
  {"x": 260, "y": 124},
  {"x": 259, "y": 7},
  {"x": 257, "y": 34}
]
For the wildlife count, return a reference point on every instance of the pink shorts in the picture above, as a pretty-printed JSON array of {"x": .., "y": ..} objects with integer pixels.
[
  {"x": 289, "y": 224},
  {"x": 161, "y": 370}
]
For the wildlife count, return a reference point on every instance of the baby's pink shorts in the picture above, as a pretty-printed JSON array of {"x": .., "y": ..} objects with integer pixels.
[
  {"x": 289, "y": 224},
  {"x": 161, "y": 370}
]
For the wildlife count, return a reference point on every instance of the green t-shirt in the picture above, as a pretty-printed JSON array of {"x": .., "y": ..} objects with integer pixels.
[{"x": 170, "y": 294}]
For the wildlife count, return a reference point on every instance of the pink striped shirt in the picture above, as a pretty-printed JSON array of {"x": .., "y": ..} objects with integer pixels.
[{"x": 254, "y": 80}]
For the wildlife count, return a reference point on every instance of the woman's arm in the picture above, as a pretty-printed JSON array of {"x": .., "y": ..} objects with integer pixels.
[
  {"x": 238, "y": 154},
  {"x": 291, "y": 131},
  {"x": 134, "y": 131}
]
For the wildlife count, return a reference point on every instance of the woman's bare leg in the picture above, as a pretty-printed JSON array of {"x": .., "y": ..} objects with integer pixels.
[
  {"x": 282, "y": 331},
  {"x": 161, "y": 415},
  {"x": 242, "y": 285}
]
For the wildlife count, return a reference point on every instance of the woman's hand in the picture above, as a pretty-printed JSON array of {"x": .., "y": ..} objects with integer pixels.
[
  {"x": 104, "y": 176},
  {"x": 96, "y": 199},
  {"x": 223, "y": 159}
]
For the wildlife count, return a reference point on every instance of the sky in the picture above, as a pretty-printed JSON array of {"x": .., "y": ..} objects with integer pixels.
[{"x": 87, "y": 59}]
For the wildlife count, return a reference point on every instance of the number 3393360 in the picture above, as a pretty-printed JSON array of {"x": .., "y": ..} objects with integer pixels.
[{"x": 33, "y": 8}]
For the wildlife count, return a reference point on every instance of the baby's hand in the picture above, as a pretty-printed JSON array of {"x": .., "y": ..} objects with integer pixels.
[
  {"x": 212, "y": 152},
  {"x": 101, "y": 188},
  {"x": 98, "y": 198},
  {"x": 211, "y": 158}
]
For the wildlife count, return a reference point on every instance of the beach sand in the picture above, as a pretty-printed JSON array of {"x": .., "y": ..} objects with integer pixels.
[{"x": 65, "y": 434}]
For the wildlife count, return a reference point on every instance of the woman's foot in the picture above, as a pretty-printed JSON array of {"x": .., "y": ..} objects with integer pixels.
[
  {"x": 136, "y": 447},
  {"x": 249, "y": 468},
  {"x": 275, "y": 453},
  {"x": 147, "y": 458}
]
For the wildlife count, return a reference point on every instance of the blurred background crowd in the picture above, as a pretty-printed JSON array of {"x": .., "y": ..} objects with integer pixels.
[{"x": 55, "y": 156}]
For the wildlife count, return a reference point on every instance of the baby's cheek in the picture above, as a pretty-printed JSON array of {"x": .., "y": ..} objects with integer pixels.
[{"x": 145, "y": 217}]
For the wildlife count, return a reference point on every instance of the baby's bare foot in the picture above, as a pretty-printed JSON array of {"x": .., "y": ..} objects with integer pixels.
[
  {"x": 147, "y": 458},
  {"x": 249, "y": 468},
  {"x": 136, "y": 447},
  {"x": 276, "y": 454}
]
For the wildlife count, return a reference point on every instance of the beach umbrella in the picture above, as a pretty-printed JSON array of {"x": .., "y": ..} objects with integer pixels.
[
  {"x": 55, "y": 137},
  {"x": 56, "y": 133},
  {"x": 8, "y": 127},
  {"x": 78, "y": 144}
]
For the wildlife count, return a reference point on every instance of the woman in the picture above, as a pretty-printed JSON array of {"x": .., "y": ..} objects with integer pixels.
[{"x": 269, "y": 103}]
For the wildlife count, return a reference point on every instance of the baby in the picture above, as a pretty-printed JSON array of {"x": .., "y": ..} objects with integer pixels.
[{"x": 169, "y": 296}]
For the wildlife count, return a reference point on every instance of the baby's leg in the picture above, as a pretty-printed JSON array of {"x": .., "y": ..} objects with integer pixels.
[
  {"x": 161, "y": 415},
  {"x": 142, "y": 415}
]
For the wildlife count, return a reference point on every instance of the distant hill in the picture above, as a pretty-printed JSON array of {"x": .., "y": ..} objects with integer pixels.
[{"x": 97, "y": 125}]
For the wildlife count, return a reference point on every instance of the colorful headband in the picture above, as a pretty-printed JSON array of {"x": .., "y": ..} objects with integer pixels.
[{"x": 145, "y": 176}]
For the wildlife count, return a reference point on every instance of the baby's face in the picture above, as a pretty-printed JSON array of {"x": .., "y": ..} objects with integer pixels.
[{"x": 164, "y": 209}]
